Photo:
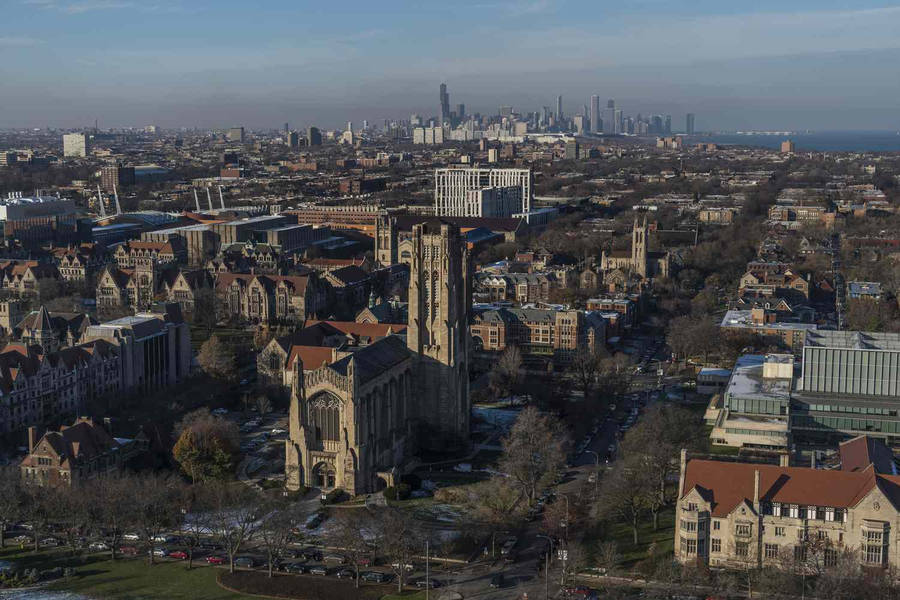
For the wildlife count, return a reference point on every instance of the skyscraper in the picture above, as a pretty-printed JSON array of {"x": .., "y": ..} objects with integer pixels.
[
  {"x": 313, "y": 137},
  {"x": 595, "y": 114},
  {"x": 460, "y": 111},
  {"x": 609, "y": 117},
  {"x": 559, "y": 113},
  {"x": 689, "y": 128},
  {"x": 445, "y": 103},
  {"x": 668, "y": 124}
]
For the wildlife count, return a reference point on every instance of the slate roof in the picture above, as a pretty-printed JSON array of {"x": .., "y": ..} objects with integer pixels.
[{"x": 374, "y": 359}]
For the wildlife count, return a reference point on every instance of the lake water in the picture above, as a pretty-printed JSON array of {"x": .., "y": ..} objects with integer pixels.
[{"x": 822, "y": 141}]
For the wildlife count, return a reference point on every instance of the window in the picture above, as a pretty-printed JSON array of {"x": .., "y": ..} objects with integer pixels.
[
  {"x": 771, "y": 551},
  {"x": 799, "y": 553},
  {"x": 742, "y": 530},
  {"x": 822, "y": 535},
  {"x": 779, "y": 532},
  {"x": 716, "y": 525},
  {"x": 831, "y": 557},
  {"x": 829, "y": 513},
  {"x": 742, "y": 549},
  {"x": 715, "y": 545},
  {"x": 688, "y": 546},
  {"x": 873, "y": 547},
  {"x": 793, "y": 511},
  {"x": 688, "y": 525}
]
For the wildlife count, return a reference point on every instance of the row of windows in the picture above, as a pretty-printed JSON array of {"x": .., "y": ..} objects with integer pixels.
[
  {"x": 756, "y": 406},
  {"x": 862, "y": 410},
  {"x": 796, "y": 511},
  {"x": 741, "y": 431},
  {"x": 845, "y": 423}
]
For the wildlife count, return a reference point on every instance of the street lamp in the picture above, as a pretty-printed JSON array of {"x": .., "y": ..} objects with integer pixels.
[
  {"x": 547, "y": 567},
  {"x": 596, "y": 470}
]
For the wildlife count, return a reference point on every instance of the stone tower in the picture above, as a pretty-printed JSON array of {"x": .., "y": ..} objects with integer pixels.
[
  {"x": 386, "y": 240},
  {"x": 639, "y": 247},
  {"x": 438, "y": 330}
]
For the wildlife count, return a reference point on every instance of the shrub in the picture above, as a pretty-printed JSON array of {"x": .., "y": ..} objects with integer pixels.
[
  {"x": 390, "y": 493},
  {"x": 334, "y": 496}
]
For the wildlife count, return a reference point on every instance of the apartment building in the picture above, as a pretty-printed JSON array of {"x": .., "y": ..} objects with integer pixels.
[
  {"x": 452, "y": 187},
  {"x": 517, "y": 287},
  {"x": 555, "y": 333},
  {"x": 734, "y": 514}
]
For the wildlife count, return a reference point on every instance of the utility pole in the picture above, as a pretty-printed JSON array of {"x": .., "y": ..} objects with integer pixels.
[
  {"x": 547, "y": 566},
  {"x": 427, "y": 580}
]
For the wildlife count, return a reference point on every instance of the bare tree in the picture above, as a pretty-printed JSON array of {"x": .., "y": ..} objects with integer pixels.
[
  {"x": 346, "y": 534},
  {"x": 275, "y": 530},
  {"x": 10, "y": 499},
  {"x": 234, "y": 516},
  {"x": 624, "y": 494},
  {"x": 401, "y": 539},
  {"x": 194, "y": 502},
  {"x": 38, "y": 508},
  {"x": 533, "y": 451},
  {"x": 584, "y": 367},
  {"x": 608, "y": 556},
  {"x": 70, "y": 510},
  {"x": 496, "y": 505},
  {"x": 157, "y": 507},
  {"x": 109, "y": 508},
  {"x": 507, "y": 372}
]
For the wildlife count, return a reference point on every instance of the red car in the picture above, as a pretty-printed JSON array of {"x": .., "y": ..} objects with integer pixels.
[
  {"x": 179, "y": 554},
  {"x": 129, "y": 550},
  {"x": 215, "y": 560},
  {"x": 579, "y": 591}
]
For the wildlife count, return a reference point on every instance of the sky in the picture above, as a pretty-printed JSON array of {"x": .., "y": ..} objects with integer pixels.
[{"x": 766, "y": 64}]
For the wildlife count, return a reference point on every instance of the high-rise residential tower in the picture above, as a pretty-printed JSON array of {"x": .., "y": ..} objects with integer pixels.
[
  {"x": 595, "y": 114},
  {"x": 689, "y": 125},
  {"x": 445, "y": 103},
  {"x": 559, "y": 113}
]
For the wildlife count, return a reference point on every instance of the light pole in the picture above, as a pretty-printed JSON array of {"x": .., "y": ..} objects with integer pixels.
[
  {"x": 547, "y": 566},
  {"x": 565, "y": 556},
  {"x": 596, "y": 470},
  {"x": 427, "y": 582}
]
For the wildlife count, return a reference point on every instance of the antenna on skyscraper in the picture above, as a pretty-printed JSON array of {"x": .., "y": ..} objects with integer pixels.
[
  {"x": 100, "y": 200},
  {"x": 196, "y": 200},
  {"x": 116, "y": 196},
  {"x": 221, "y": 199}
]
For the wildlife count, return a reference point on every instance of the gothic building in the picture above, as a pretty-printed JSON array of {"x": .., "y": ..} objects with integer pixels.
[
  {"x": 639, "y": 260},
  {"x": 357, "y": 422}
]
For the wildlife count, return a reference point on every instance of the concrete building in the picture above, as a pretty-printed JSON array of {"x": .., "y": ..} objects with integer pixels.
[
  {"x": 749, "y": 515},
  {"x": 313, "y": 137},
  {"x": 76, "y": 145},
  {"x": 154, "y": 346},
  {"x": 787, "y": 147},
  {"x": 235, "y": 134},
  {"x": 452, "y": 187},
  {"x": 116, "y": 177},
  {"x": 595, "y": 114}
]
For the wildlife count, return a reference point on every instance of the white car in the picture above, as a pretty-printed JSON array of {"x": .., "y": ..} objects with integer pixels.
[
  {"x": 131, "y": 537},
  {"x": 278, "y": 431},
  {"x": 98, "y": 546}
]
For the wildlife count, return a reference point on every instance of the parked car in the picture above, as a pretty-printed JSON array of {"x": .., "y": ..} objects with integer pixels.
[
  {"x": 406, "y": 566},
  {"x": 179, "y": 554},
  {"x": 346, "y": 574},
  {"x": 497, "y": 581},
  {"x": 49, "y": 541},
  {"x": 163, "y": 539},
  {"x": 318, "y": 570},
  {"x": 278, "y": 431},
  {"x": 334, "y": 558},
  {"x": 160, "y": 552},
  {"x": 131, "y": 537},
  {"x": 374, "y": 576},
  {"x": 579, "y": 590},
  {"x": 312, "y": 554},
  {"x": 428, "y": 583},
  {"x": 244, "y": 562},
  {"x": 128, "y": 550},
  {"x": 98, "y": 546},
  {"x": 295, "y": 568},
  {"x": 216, "y": 560}
]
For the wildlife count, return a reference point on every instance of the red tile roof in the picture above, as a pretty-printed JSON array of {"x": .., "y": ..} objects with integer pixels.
[{"x": 727, "y": 484}]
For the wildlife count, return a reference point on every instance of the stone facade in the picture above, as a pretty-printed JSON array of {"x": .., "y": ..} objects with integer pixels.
[{"x": 357, "y": 422}]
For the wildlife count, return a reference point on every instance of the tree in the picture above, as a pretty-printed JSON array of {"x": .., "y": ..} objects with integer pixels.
[
  {"x": 233, "y": 516},
  {"x": 608, "y": 556},
  {"x": 624, "y": 495},
  {"x": 10, "y": 499},
  {"x": 195, "y": 502},
  {"x": 401, "y": 539},
  {"x": 275, "y": 530},
  {"x": 156, "y": 506},
  {"x": 71, "y": 512},
  {"x": 217, "y": 359},
  {"x": 110, "y": 509},
  {"x": 38, "y": 508},
  {"x": 506, "y": 374},
  {"x": 584, "y": 368},
  {"x": 346, "y": 534},
  {"x": 496, "y": 505},
  {"x": 533, "y": 451},
  {"x": 206, "y": 445}
]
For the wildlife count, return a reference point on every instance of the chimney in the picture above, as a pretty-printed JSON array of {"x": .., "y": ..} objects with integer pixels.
[
  {"x": 32, "y": 438},
  {"x": 681, "y": 472},
  {"x": 756, "y": 490},
  {"x": 784, "y": 460}
]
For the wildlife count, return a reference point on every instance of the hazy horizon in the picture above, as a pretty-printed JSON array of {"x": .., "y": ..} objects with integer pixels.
[{"x": 828, "y": 65}]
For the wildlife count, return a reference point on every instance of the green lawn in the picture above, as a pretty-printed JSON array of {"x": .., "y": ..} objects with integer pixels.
[
  {"x": 664, "y": 538},
  {"x": 419, "y": 595},
  {"x": 132, "y": 579}
]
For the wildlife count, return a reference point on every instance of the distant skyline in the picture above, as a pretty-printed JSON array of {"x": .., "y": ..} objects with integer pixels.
[{"x": 776, "y": 65}]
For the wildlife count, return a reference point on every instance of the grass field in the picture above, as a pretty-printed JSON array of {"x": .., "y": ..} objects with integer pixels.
[
  {"x": 662, "y": 539},
  {"x": 98, "y": 577}
]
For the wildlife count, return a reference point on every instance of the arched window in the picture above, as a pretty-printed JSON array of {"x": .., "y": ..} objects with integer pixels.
[{"x": 325, "y": 417}]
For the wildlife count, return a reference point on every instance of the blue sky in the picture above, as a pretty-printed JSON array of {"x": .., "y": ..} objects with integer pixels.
[{"x": 761, "y": 64}]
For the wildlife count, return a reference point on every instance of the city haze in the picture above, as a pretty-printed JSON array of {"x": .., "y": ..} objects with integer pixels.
[{"x": 782, "y": 65}]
